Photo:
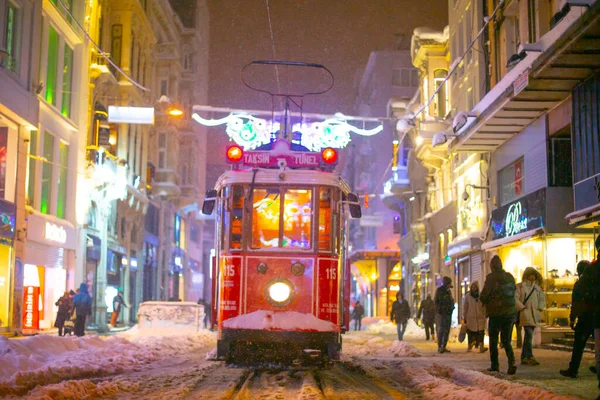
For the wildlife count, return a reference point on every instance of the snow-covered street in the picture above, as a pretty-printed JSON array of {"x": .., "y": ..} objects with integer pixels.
[{"x": 374, "y": 365}]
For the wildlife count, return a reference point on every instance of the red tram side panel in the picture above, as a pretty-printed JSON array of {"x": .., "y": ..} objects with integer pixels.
[
  {"x": 328, "y": 289},
  {"x": 230, "y": 295}
]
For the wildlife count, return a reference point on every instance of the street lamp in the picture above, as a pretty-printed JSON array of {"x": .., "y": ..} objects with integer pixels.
[{"x": 466, "y": 194}]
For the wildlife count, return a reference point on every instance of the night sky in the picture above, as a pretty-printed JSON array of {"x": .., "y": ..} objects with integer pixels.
[{"x": 339, "y": 34}]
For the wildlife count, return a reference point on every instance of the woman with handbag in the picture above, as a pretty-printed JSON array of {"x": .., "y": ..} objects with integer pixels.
[
  {"x": 530, "y": 301},
  {"x": 474, "y": 319}
]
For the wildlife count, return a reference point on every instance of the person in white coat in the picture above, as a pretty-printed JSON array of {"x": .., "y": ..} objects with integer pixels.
[
  {"x": 474, "y": 318},
  {"x": 530, "y": 301}
]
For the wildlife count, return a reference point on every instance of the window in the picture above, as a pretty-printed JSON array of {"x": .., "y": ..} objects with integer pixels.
[
  {"x": 461, "y": 43},
  {"x": 162, "y": 164},
  {"x": 67, "y": 81},
  {"x": 402, "y": 77},
  {"x": 531, "y": 21},
  {"x": 116, "y": 45},
  {"x": 164, "y": 87},
  {"x": 441, "y": 99},
  {"x": 52, "y": 66},
  {"x": 11, "y": 38},
  {"x": 414, "y": 77},
  {"x": 297, "y": 215},
  {"x": 510, "y": 180},
  {"x": 266, "y": 211},
  {"x": 469, "y": 34},
  {"x": 162, "y": 150},
  {"x": 194, "y": 233},
  {"x": 237, "y": 214},
  {"x": 560, "y": 168},
  {"x": 46, "y": 200},
  {"x": 61, "y": 202},
  {"x": 325, "y": 219},
  {"x": 33, "y": 141},
  {"x": 184, "y": 170}
]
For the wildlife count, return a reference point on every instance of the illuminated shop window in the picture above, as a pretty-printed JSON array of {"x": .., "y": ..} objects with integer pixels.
[
  {"x": 67, "y": 81},
  {"x": 61, "y": 201}
]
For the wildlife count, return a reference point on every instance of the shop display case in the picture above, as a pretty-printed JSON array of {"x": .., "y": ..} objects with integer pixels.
[{"x": 559, "y": 291}]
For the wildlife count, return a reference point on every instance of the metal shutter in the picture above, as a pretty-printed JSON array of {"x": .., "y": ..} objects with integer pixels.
[{"x": 476, "y": 259}]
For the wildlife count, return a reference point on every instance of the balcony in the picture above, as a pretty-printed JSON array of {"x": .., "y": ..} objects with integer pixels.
[
  {"x": 166, "y": 183},
  {"x": 100, "y": 66}
]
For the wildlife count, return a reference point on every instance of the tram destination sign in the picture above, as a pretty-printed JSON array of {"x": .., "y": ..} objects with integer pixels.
[
  {"x": 522, "y": 215},
  {"x": 291, "y": 159}
]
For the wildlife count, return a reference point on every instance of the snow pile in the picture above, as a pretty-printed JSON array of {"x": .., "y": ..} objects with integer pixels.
[
  {"x": 43, "y": 359},
  {"x": 169, "y": 315},
  {"x": 403, "y": 349},
  {"x": 280, "y": 321},
  {"x": 383, "y": 327},
  {"x": 366, "y": 345},
  {"x": 82, "y": 389}
]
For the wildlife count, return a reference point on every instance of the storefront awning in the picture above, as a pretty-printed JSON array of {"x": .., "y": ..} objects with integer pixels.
[
  {"x": 462, "y": 245},
  {"x": 521, "y": 236},
  {"x": 373, "y": 254},
  {"x": 586, "y": 218},
  {"x": 546, "y": 76}
]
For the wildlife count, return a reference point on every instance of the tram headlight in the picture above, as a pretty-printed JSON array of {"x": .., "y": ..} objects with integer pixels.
[{"x": 279, "y": 292}]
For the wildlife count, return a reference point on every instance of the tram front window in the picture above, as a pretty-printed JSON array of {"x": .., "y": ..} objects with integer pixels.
[
  {"x": 270, "y": 213},
  {"x": 266, "y": 210}
]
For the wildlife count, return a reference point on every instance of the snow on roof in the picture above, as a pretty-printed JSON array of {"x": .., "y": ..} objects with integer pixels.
[
  {"x": 424, "y": 33},
  {"x": 280, "y": 321}
]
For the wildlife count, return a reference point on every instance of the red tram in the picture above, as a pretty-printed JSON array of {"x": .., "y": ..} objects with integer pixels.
[{"x": 281, "y": 279}]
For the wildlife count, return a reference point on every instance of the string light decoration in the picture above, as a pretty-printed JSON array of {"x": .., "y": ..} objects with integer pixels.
[{"x": 251, "y": 132}]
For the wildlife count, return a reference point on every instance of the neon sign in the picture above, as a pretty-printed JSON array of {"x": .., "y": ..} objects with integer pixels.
[
  {"x": 515, "y": 222},
  {"x": 31, "y": 315},
  {"x": 394, "y": 287},
  {"x": 55, "y": 233}
]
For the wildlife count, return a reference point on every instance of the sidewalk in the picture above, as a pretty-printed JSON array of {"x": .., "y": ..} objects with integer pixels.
[{"x": 545, "y": 375}]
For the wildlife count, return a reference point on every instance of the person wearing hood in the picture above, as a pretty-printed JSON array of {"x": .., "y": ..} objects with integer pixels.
[
  {"x": 498, "y": 297},
  {"x": 474, "y": 318},
  {"x": 65, "y": 306},
  {"x": 83, "y": 307},
  {"x": 427, "y": 310},
  {"x": 530, "y": 301},
  {"x": 118, "y": 302},
  {"x": 357, "y": 314},
  {"x": 444, "y": 306},
  {"x": 400, "y": 315}
]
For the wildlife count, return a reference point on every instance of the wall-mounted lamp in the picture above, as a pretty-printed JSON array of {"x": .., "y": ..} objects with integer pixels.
[
  {"x": 466, "y": 194},
  {"x": 39, "y": 87}
]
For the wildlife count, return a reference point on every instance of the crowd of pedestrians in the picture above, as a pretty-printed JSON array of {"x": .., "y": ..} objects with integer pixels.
[{"x": 501, "y": 306}]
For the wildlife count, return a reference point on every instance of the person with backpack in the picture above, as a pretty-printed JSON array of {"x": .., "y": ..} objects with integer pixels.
[
  {"x": 427, "y": 310},
  {"x": 444, "y": 306},
  {"x": 498, "y": 297},
  {"x": 530, "y": 302},
  {"x": 82, "y": 302},
  {"x": 582, "y": 321},
  {"x": 357, "y": 314}
]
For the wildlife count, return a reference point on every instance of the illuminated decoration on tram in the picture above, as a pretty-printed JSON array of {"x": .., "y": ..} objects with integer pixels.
[{"x": 251, "y": 132}]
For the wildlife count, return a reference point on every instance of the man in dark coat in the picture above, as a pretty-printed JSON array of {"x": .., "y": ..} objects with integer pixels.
[
  {"x": 357, "y": 314},
  {"x": 591, "y": 298},
  {"x": 65, "y": 306},
  {"x": 444, "y": 306},
  {"x": 582, "y": 321},
  {"x": 427, "y": 311},
  {"x": 118, "y": 302},
  {"x": 498, "y": 297},
  {"x": 83, "y": 307},
  {"x": 400, "y": 315}
]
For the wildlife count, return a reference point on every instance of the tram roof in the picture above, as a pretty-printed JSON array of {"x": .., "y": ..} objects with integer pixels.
[{"x": 291, "y": 177}]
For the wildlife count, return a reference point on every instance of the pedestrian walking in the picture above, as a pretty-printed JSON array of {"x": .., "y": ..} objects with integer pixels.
[
  {"x": 65, "y": 308},
  {"x": 427, "y": 311},
  {"x": 206, "y": 320},
  {"x": 498, "y": 297},
  {"x": 400, "y": 315},
  {"x": 474, "y": 318},
  {"x": 591, "y": 298},
  {"x": 530, "y": 302},
  {"x": 357, "y": 314},
  {"x": 582, "y": 321},
  {"x": 444, "y": 306},
  {"x": 82, "y": 302},
  {"x": 117, "y": 302}
]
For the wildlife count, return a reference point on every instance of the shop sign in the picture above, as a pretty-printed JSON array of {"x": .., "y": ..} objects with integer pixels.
[
  {"x": 7, "y": 219},
  {"x": 31, "y": 312},
  {"x": 55, "y": 233},
  {"x": 394, "y": 288},
  {"x": 522, "y": 215},
  {"x": 43, "y": 230}
]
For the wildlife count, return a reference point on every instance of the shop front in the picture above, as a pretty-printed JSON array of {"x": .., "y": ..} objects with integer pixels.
[
  {"x": 176, "y": 274},
  {"x": 149, "y": 254},
  {"x": 92, "y": 259},
  {"x": 7, "y": 234},
  {"x": 49, "y": 266},
  {"x": 526, "y": 233}
]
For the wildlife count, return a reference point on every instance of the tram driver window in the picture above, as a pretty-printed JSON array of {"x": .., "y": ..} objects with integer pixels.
[
  {"x": 325, "y": 219},
  {"x": 237, "y": 212},
  {"x": 266, "y": 209},
  {"x": 297, "y": 218}
]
